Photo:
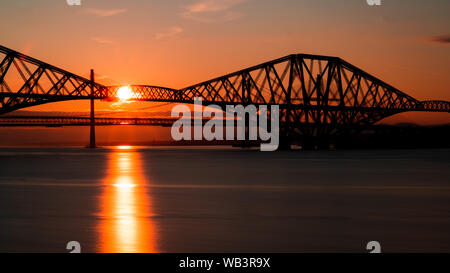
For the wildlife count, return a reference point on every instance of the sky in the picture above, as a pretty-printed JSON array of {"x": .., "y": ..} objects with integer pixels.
[{"x": 176, "y": 43}]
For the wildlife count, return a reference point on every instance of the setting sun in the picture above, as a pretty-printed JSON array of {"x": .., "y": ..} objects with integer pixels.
[
  {"x": 124, "y": 147},
  {"x": 124, "y": 93}
]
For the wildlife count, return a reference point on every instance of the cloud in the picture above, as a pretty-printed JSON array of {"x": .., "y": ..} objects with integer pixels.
[
  {"x": 213, "y": 10},
  {"x": 106, "y": 12},
  {"x": 169, "y": 33},
  {"x": 101, "y": 40},
  {"x": 213, "y": 5},
  {"x": 441, "y": 39}
]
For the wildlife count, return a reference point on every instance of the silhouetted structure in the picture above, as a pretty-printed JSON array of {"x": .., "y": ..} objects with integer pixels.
[{"x": 320, "y": 98}]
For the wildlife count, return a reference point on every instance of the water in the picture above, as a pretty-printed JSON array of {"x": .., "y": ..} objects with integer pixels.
[{"x": 129, "y": 199}]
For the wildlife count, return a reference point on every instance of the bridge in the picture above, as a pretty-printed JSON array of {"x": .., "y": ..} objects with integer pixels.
[
  {"x": 60, "y": 121},
  {"x": 319, "y": 96}
]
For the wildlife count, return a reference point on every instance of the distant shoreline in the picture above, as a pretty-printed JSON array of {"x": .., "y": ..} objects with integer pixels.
[{"x": 404, "y": 136}]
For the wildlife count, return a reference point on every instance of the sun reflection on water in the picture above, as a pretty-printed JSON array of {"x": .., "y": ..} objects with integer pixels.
[{"x": 126, "y": 209}]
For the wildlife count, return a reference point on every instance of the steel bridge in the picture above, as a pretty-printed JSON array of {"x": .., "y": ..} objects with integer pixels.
[
  {"x": 318, "y": 96},
  {"x": 60, "y": 121}
]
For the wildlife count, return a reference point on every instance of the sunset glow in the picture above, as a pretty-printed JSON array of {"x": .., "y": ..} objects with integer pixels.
[
  {"x": 126, "y": 207},
  {"x": 124, "y": 93},
  {"x": 224, "y": 135},
  {"x": 124, "y": 147}
]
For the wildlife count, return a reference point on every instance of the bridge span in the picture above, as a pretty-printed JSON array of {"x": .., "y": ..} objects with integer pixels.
[
  {"x": 318, "y": 96},
  {"x": 60, "y": 121}
]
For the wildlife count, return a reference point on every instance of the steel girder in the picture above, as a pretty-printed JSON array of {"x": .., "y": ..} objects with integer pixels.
[
  {"x": 434, "y": 106},
  {"x": 49, "y": 121},
  {"x": 59, "y": 121},
  {"x": 316, "y": 94},
  {"x": 25, "y": 81},
  {"x": 147, "y": 93}
]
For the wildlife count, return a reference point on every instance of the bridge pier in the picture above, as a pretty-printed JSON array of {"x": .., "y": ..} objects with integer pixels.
[
  {"x": 92, "y": 128},
  {"x": 284, "y": 142},
  {"x": 311, "y": 143}
]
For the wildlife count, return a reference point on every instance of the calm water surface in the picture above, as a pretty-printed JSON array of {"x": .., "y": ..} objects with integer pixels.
[{"x": 129, "y": 199}]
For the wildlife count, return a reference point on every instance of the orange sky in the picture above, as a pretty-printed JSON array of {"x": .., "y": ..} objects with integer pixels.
[{"x": 176, "y": 43}]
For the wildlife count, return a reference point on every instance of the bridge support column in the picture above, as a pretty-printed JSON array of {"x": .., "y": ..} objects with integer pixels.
[
  {"x": 307, "y": 143},
  {"x": 284, "y": 141},
  {"x": 92, "y": 133}
]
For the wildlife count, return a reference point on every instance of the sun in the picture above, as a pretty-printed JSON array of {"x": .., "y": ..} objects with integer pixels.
[{"x": 124, "y": 93}]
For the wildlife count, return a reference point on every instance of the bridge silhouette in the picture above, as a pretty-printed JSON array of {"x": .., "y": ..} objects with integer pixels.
[
  {"x": 319, "y": 96},
  {"x": 60, "y": 121}
]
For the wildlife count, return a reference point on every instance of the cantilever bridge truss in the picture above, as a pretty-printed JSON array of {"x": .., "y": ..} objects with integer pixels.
[{"x": 317, "y": 95}]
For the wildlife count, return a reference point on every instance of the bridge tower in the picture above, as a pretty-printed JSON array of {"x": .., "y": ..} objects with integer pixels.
[
  {"x": 246, "y": 100},
  {"x": 92, "y": 133}
]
